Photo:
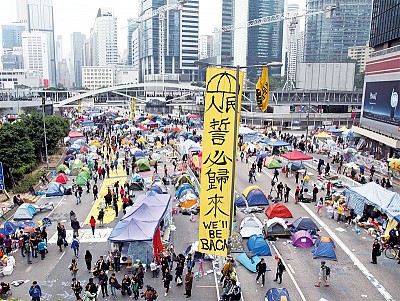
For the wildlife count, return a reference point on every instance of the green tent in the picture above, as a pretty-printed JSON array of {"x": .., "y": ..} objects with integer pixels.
[
  {"x": 62, "y": 168},
  {"x": 80, "y": 179},
  {"x": 143, "y": 164},
  {"x": 76, "y": 164},
  {"x": 85, "y": 174},
  {"x": 273, "y": 164}
]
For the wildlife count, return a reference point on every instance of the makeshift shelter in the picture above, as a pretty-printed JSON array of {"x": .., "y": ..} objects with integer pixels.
[
  {"x": 249, "y": 263},
  {"x": 143, "y": 164},
  {"x": 81, "y": 179},
  {"x": 61, "y": 178},
  {"x": 276, "y": 227},
  {"x": 324, "y": 248},
  {"x": 373, "y": 194},
  {"x": 255, "y": 196},
  {"x": 24, "y": 212},
  {"x": 249, "y": 226},
  {"x": 182, "y": 188},
  {"x": 184, "y": 178},
  {"x": 258, "y": 245},
  {"x": 74, "y": 135},
  {"x": 273, "y": 163},
  {"x": 188, "y": 201},
  {"x": 190, "y": 146},
  {"x": 304, "y": 223},
  {"x": 55, "y": 189},
  {"x": 277, "y": 294},
  {"x": 8, "y": 228},
  {"x": 278, "y": 210},
  {"x": 296, "y": 156},
  {"x": 248, "y": 134},
  {"x": 137, "y": 178},
  {"x": 302, "y": 239},
  {"x": 240, "y": 201}
]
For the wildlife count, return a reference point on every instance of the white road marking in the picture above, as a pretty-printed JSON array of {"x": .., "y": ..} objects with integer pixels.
[
  {"x": 291, "y": 275},
  {"x": 215, "y": 278},
  {"x": 291, "y": 268},
  {"x": 383, "y": 291},
  {"x": 85, "y": 236},
  {"x": 55, "y": 207},
  {"x": 62, "y": 255}
]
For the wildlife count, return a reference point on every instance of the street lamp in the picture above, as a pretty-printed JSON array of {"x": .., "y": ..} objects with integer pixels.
[
  {"x": 44, "y": 130},
  {"x": 235, "y": 130}
]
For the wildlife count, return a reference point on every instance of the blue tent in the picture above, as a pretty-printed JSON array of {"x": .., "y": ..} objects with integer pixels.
[
  {"x": 25, "y": 211},
  {"x": 55, "y": 189},
  {"x": 240, "y": 201},
  {"x": 276, "y": 294},
  {"x": 8, "y": 228},
  {"x": 156, "y": 189},
  {"x": 137, "y": 178},
  {"x": 182, "y": 188},
  {"x": 324, "y": 248},
  {"x": 139, "y": 154},
  {"x": 249, "y": 263},
  {"x": 258, "y": 245},
  {"x": 278, "y": 143},
  {"x": 256, "y": 198},
  {"x": 304, "y": 223}
]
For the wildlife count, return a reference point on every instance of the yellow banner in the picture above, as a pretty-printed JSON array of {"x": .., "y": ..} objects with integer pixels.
[
  {"x": 133, "y": 106},
  {"x": 262, "y": 90},
  {"x": 219, "y": 148},
  {"x": 394, "y": 164}
]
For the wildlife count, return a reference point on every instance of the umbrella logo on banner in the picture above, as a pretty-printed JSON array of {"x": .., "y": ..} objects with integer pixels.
[{"x": 262, "y": 90}]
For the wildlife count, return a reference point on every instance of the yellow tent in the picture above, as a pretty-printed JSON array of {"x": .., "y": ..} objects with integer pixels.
[
  {"x": 158, "y": 144},
  {"x": 142, "y": 139},
  {"x": 118, "y": 119},
  {"x": 95, "y": 142},
  {"x": 250, "y": 188},
  {"x": 145, "y": 121},
  {"x": 322, "y": 135}
]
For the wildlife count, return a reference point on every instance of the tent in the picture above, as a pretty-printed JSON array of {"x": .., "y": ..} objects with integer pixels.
[
  {"x": 182, "y": 188},
  {"x": 304, "y": 223},
  {"x": 25, "y": 211},
  {"x": 73, "y": 135},
  {"x": 296, "y": 156},
  {"x": 240, "y": 201},
  {"x": 249, "y": 226},
  {"x": 373, "y": 194},
  {"x": 184, "y": 178},
  {"x": 302, "y": 239},
  {"x": 277, "y": 143},
  {"x": 143, "y": 164},
  {"x": 258, "y": 245},
  {"x": 61, "y": 178},
  {"x": 156, "y": 189},
  {"x": 322, "y": 135},
  {"x": 81, "y": 179},
  {"x": 248, "y": 134},
  {"x": 255, "y": 196},
  {"x": 188, "y": 201},
  {"x": 62, "y": 168},
  {"x": 137, "y": 178},
  {"x": 272, "y": 163},
  {"x": 8, "y": 228},
  {"x": 276, "y": 227},
  {"x": 278, "y": 210},
  {"x": 324, "y": 248},
  {"x": 55, "y": 189},
  {"x": 277, "y": 294},
  {"x": 249, "y": 263},
  {"x": 190, "y": 146}
]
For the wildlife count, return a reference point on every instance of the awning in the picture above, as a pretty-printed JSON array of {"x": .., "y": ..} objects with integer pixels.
[
  {"x": 394, "y": 143},
  {"x": 296, "y": 156}
]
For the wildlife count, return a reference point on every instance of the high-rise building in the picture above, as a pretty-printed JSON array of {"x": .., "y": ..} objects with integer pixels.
[
  {"x": 77, "y": 44},
  {"x": 227, "y": 36},
  {"x": 35, "y": 47},
  {"x": 360, "y": 54},
  {"x": 104, "y": 42},
  {"x": 132, "y": 26},
  {"x": 38, "y": 17},
  {"x": 288, "y": 26},
  {"x": 217, "y": 41},
  {"x": 385, "y": 24},
  {"x": 12, "y": 35},
  {"x": 135, "y": 49},
  {"x": 327, "y": 39},
  {"x": 12, "y": 59},
  {"x": 206, "y": 43},
  {"x": 181, "y": 34}
]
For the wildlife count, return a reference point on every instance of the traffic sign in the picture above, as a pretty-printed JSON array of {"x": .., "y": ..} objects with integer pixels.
[{"x": 1, "y": 177}]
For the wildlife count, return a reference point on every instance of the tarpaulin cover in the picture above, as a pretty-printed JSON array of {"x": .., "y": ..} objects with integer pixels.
[
  {"x": 249, "y": 263},
  {"x": 296, "y": 156}
]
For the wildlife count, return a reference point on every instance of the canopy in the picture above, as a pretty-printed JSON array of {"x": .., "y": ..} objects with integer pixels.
[
  {"x": 8, "y": 228},
  {"x": 249, "y": 226},
  {"x": 278, "y": 210},
  {"x": 25, "y": 211},
  {"x": 277, "y": 143},
  {"x": 61, "y": 178},
  {"x": 258, "y": 245},
  {"x": 302, "y": 239},
  {"x": 335, "y": 131},
  {"x": 73, "y": 135},
  {"x": 322, "y": 135},
  {"x": 304, "y": 223},
  {"x": 192, "y": 116},
  {"x": 296, "y": 156},
  {"x": 373, "y": 194}
]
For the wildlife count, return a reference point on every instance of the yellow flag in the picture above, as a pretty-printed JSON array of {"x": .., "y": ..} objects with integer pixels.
[
  {"x": 133, "y": 106},
  {"x": 219, "y": 148},
  {"x": 262, "y": 90}
]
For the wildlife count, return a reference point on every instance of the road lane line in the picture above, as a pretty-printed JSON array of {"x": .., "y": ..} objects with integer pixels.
[
  {"x": 54, "y": 208},
  {"x": 214, "y": 263},
  {"x": 291, "y": 269},
  {"x": 382, "y": 290},
  {"x": 290, "y": 274},
  {"x": 62, "y": 255}
]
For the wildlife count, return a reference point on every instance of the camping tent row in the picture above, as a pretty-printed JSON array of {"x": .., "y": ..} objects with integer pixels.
[{"x": 140, "y": 226}]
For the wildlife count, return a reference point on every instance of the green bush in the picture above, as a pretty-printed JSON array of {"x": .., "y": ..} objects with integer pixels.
[
  {"x": 19, "y": 173},
  {"x": 28, "y": 180}
]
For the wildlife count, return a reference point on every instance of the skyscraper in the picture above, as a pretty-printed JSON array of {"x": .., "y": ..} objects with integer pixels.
[
  {"x": 38, "y": 17},
  {"x": 206, "y": 46},
  {"x": 12, "y": 35},
  {"x": 227, "y": 36},
  {"x": 77, "y": 43},
  {"x": 328, "y": 40},
  {"x": 104, "y": 43},
  {"x": 132, "y": 26}
]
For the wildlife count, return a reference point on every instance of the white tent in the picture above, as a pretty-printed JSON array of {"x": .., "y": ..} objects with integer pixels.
[{"x": 250, "y": 226}]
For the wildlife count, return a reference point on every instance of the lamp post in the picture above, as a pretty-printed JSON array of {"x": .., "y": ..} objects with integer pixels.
[{"x": 44, "y": 131}]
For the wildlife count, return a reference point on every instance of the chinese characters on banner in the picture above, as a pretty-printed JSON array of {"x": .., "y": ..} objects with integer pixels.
[
  {"x": 216, "y": 197},
  {"x": 394, "y": 164},
  {"x": 262, "y": 90},
  {"x": 133, "y": 106}
]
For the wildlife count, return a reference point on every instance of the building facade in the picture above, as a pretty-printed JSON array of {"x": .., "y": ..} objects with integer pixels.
[
  {"x": 77, "y": 49},
  {"x": 11, "y": 78},
  {"x": 96, "y": 77},
  {"x": 206, "y": 44},
  {"x": 12, "y": 59},
  {"x": 328, "y": 39},
  {"x": 132, "y": 26},
  {"x": 228, "y": 17},
  {"x": 385, "y": 24},
  {"x": 360, "y": 54},
  {"x": 12, "y": 35}
]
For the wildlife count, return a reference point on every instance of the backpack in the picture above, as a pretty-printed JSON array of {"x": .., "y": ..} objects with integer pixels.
[
  {"x": 328, "y": 271},
  {"x": 276, "y": 172}
]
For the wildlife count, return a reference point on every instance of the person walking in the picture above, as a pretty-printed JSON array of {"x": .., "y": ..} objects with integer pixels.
[
  {"x": 100, "y": 217},
  {"x": 167, "y": 281},
  {"x": 35, "y": 291},
  {"x": 88, "y": 260},
  {"x": 165, "y": 171},
  {"x": 315, "y": 193},
  {"x": 280, "y": 268},
  {"x": 296, "y": 195},
  {"x": 286, "y": 192},
  {"x": 73, "y": 267},
  {"x": 320, "y": 205},
  {"x": 376, "y": 251},
  {"x": 75, "y": 227},
  {"x": 77, "y": 197},
  {"x": 115, "y": 206},
  {"x": 114, "y": 285},
  {"x": 188, "y": 283},
  {"x": 95, "y": 191},
  {"x": 261, "y": 268},
  {"x": 92, "y": 223},
  {"x": 296, "y": 176},
  {"x": 76, "y": 288},
  {"x": 276, "y": 174},
  {"x": 75, "y": 246},
  {"x": 322, "y": 275},
  {"x": 155, "y": 167},
  {"x": 103, "y": 282}
]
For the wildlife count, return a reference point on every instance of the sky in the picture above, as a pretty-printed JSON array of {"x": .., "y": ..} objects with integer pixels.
[{"x": 79, "y": 15}]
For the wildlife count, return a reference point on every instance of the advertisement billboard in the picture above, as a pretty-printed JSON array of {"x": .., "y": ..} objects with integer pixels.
[{"x": 381, "y": 104}]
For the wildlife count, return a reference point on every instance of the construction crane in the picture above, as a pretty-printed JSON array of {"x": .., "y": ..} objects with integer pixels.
[
  {"x": 161, "y": 14},
  {"x": 293, "y": 18}
]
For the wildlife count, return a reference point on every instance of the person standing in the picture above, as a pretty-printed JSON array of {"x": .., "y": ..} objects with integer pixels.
[
  {"x": 328, "y": 188},
  {"x": 75, "y": 246},
  {"x": 75, "y": 227},
  {"x": 88, "y": 260},
  {"x": 28, "y": 250},
  {"x": 276, "y": 174},
  {"x": 103, "y": 281},
  {"x": 155, "y": 166},
  {"x": 76, "y": 288},
  {"x": 126, "y": 286},
  {"x": 296, "y": 195},
  {"x": 188, "y": 283},
  {"x": 92, "y": 223},
  {"x": 95, "y": 191},
  {"x": 35, "y": 291},
  {"x": 77, "y": 196},
  {"x": 339, "y": 212},
  {"x": 261, "y": 268},
  {"x": 286, "y": 191},
  {"x": 376, "y": 251},
  {"x": 165, "y": 171},
  {"x": 167, "y": 281},
  {"x": 115, "y": 206},
  {"x": 320, "y": 205},
  {"x": 42, "y": 248},
  {"x": 296, "y": 176},
  {"x": 100, "y": 217},
  {"x": 322, "y": 275},
  {"x": 114, "y": 285},
  {"x": 280, "y": 268},
  {"x": 280, "y": 191},
  {"x": 73, "y": 267},
  {"x": 315, "y": 193}
]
